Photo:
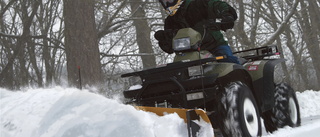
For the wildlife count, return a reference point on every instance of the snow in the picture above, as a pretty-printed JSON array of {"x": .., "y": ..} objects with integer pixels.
[
  {"x": 135, "y": 87},
  {"x": 309, "y": 102},
  {"x": 69, "y": 112}
]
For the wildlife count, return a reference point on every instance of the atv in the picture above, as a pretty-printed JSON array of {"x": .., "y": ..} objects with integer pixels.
[{"x": 232, "y": 97}]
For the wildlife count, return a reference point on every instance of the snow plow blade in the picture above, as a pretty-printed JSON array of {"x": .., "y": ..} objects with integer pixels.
[
  {"x": 181, "y": 112},
  {"x": 187, "y": 114}
]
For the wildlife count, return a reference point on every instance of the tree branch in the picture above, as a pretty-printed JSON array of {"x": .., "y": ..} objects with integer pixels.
[
  {"x": 7, "y": 7},
  {"x": 19, "y": 36},
  {"x": 282, "y": 25}
]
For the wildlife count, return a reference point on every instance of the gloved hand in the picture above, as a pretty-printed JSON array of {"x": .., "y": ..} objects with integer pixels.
[
  {"x": 162, "y": 35},
  {"x": 165, "y": 40},
  {"x": 166, "y": 46},
  {"x": 227, "y": 23},
  {"x": 159, "y": 35}
]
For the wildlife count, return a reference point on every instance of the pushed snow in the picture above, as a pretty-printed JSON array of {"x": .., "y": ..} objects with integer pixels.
[
  {"x": 69, "y": 112},
  {"x": 135, "y": 87}
]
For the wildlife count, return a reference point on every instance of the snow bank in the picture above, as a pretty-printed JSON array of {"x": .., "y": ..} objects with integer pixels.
[
  {"x": 309, "y": 102},
  {"x": 68, "y": 112}
]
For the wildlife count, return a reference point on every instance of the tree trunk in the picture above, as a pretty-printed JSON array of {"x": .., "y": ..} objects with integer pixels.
[
  {"x": 310, "y": 37},
  {"x": 299, "y": 64},
  {"x": 142, "y": 33},
  {"x": 314, "y": 48},
  {"x": 81, "y": 43},
  {"x": 240, "y": 27},
  {"x": 31, "y": 50}
]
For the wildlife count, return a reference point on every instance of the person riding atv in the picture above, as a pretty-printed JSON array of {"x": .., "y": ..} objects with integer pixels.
[
  {"x": 201, "y": 15},
  {"x": 217, "y": 89}
]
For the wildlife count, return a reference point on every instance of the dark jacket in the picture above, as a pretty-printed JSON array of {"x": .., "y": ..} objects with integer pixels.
[{"x": 196, "y": 14}]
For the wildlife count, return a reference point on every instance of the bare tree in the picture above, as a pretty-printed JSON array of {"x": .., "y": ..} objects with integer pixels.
[
  {"x": 309, "y": 22},
  {"x": 142, "y": 33},
  {"x": 18, "y": 50},
  {"x": 48, "y": 17},
  {"x": 81, "y": 43},
  {"x": 33, "y": 47}
]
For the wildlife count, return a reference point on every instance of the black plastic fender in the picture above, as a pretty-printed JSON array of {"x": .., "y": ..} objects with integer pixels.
[{"x": 263, "y": 81}]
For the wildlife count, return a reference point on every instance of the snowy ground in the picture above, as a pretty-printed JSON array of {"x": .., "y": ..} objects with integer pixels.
[{"x": 68, "y": 112}]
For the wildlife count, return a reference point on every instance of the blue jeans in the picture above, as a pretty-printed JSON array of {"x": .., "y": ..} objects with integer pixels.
[{"x": 225, "y": 50}]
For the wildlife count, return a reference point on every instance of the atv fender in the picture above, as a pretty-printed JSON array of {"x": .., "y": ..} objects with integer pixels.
[
  {"x": 262, "y": 74},
  {"x": 220, "y": 68}
]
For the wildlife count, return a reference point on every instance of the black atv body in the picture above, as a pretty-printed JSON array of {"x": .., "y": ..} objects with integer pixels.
[
  {"x": 171, "y": 84},
  {"x": 234, "y": 96}
]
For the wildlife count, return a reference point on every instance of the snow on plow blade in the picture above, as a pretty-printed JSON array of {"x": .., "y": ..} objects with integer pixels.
[{"x": 189, "y": 115}]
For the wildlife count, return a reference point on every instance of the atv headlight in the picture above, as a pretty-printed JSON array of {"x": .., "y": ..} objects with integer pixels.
[
  {"x": 135, "y": 82},
  {"x": 181, "y": 44},
  {"x": 195, "y": 96},
  {"x": 194, "y": 71}
]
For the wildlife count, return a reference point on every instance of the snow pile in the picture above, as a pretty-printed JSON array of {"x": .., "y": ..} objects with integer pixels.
[
  {"x": 69, "y": 112},
  {"x": 309, "y": 102}
]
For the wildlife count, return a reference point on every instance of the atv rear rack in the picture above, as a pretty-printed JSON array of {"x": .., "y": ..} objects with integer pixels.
[{"x": 259, "y": 53}]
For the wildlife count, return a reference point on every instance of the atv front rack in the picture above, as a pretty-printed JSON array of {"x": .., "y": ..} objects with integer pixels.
[
  {"x": 172, "y": 66},
  {"x": 172, "y": 83}
]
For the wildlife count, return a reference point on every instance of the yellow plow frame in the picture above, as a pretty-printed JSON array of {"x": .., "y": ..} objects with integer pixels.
[{"x": 187, "y": 114}]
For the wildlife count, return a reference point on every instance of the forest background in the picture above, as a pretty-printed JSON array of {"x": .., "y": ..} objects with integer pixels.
[{"x": 45, "y": 43}]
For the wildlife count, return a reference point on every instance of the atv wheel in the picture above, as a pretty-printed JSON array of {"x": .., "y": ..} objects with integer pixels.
[
  {"x": 239, "y": 113},
  {"x": 286, "y": 111}
]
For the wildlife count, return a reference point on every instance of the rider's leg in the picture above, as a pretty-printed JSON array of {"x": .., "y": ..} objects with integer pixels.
[{"x": 225, "y": 50}]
